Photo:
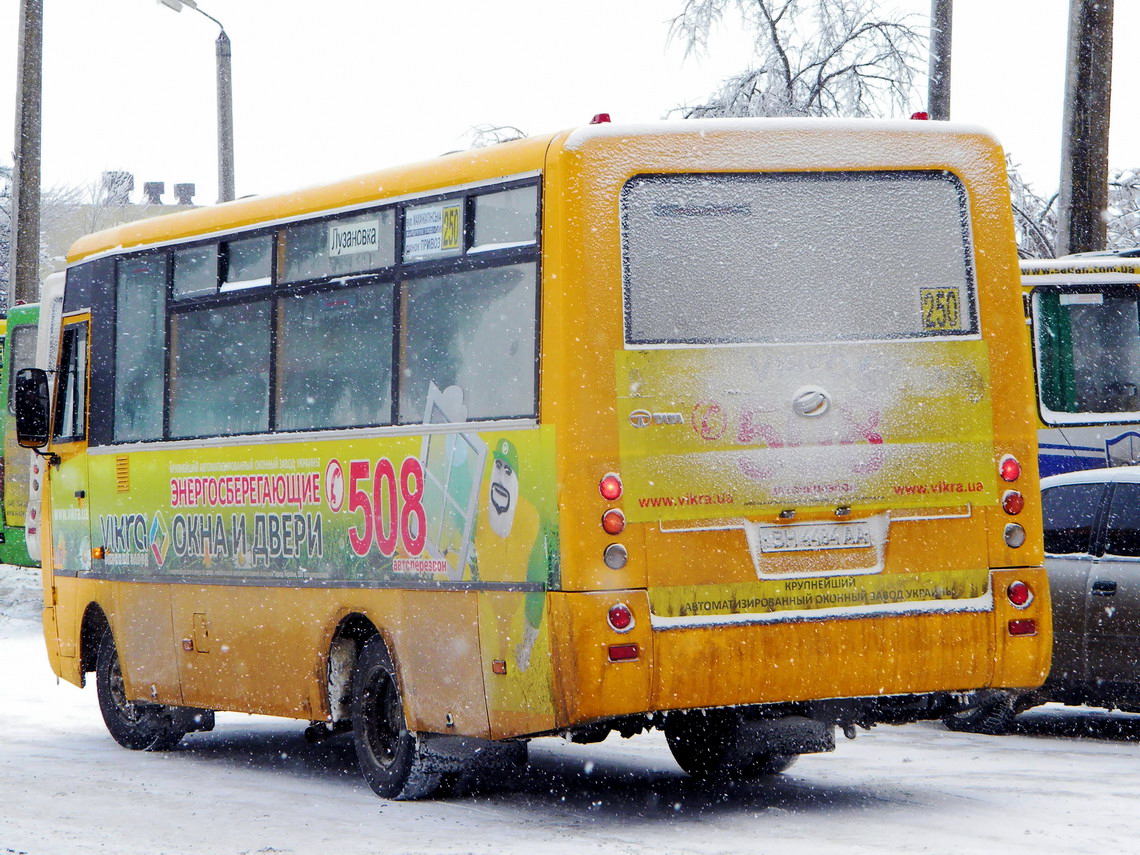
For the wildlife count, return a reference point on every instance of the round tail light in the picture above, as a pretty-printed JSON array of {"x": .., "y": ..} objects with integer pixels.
[
  {"x": 1019, "y": 593},
  {"x": 610, "y": 487},
  {"x": 1009, "y": 468},
  {"x": 613, "y": 521},
  {"x": 1014, "y": 535},
  {"x": 615, "y": 556},
  {"x": 620, "y": 617},
  {"x": 1013, "y": 503}
]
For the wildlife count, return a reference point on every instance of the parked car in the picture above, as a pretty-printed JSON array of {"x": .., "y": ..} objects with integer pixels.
[{"x": 1092, "y": 556}]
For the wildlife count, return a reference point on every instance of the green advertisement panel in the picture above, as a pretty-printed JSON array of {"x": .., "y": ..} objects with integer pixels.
[{"x": 451, "y": 506}]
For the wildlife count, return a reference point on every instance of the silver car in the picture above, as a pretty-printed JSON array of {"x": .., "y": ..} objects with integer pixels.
[{"x": 1092, "y": 555}]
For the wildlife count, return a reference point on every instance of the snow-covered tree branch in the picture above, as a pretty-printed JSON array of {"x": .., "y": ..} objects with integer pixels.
[{"x": 813, "y": 58}]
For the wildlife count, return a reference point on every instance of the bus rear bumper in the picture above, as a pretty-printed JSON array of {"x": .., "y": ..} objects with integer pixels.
[{"x": 923, "y": 659}]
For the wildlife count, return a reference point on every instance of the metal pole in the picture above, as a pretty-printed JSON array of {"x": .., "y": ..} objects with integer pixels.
[
  {"x": 225, "y": 121},
  {"x": 941, "y": 19},
  {"x": 25, "y": 249},
  {"x": 1084, "y": 135}
]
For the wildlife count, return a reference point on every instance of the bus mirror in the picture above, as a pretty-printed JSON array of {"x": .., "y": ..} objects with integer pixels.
[{"x": 32, "y": 407}]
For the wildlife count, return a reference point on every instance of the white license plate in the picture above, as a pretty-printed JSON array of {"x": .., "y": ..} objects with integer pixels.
[{"x": 812, "y": 536}]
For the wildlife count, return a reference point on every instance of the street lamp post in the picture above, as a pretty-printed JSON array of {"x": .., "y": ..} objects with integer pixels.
[{"x": 225, "y": 102}]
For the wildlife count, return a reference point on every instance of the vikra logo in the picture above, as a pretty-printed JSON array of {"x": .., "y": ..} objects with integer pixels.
[
  {"x": 644, "y": 418},
  {"x": 125, "y": 533}
]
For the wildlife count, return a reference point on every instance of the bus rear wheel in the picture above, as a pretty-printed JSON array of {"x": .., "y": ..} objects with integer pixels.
[
  {"x": 992, "y": 715},
  {"x": 709, "y": 744},
  {"x": 389, "y": 754},
  {"x": 137, "y": 725}
]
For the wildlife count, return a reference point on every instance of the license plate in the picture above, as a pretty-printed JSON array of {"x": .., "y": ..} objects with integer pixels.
[{"x": 813, "y": 536}]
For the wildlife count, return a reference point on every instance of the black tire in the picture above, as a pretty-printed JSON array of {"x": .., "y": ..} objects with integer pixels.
[
  {"x": 389, "y": 754},
  {"x": 993, "y": 715},
  {"x": 770, "y": 764},
  {"x": 140, "y": 726},
  {"x": 707, "y": 744}
]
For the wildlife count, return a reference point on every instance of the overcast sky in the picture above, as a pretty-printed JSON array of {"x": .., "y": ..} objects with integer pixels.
[{"x": 325, "y": 90}]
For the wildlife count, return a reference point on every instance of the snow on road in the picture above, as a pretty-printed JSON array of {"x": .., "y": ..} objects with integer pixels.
[{"x": 254, "y": 787}]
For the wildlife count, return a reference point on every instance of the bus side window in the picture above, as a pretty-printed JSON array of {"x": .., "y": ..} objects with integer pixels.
[
  {"x": 71, "y": 394},
  {"x": 334, "y": 358},
  {"x": 476, "y": 330},
  {"x": 140, "y": 346},
  {"x": 219, "y": 370}
]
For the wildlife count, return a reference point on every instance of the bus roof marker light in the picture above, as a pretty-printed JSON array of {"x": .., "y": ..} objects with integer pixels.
[
  {"x": 610, "y": 487},
  {"x": 600, "y": 119},
  {"x": 1009, "y": 468}
]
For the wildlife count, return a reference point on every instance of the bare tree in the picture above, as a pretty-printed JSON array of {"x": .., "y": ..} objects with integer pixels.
[
  {"x": 1034, "y": 217},
  {"x": 1123, "y": 215},
  {"x": 57, "y": 204},
  {"x": 813, "y": 58},
  {"x": 1036, "y": 222}
]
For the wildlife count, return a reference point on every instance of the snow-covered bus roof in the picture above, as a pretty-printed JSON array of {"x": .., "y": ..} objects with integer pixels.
[{"x": 839, "y": 144}]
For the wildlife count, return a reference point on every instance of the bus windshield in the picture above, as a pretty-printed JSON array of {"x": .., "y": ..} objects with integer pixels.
[{"x": 1088, "y": 352}]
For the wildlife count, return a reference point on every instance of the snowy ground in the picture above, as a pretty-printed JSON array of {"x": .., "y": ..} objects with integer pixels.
[{"x": 1069, "y": 781}]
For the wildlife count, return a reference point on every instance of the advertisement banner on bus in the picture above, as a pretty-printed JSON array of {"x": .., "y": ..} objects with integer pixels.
[
  {"x": 436, "y": 508},
  {"x": 717, "y": 432}
]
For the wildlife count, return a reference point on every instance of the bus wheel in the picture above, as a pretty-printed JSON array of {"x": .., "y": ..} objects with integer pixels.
[
  {"x": 389, "y": 754},
  {"x": 993, "y": 715},
  {"x": 139, "y": 726},
  {"x": 709, "y": 743}
]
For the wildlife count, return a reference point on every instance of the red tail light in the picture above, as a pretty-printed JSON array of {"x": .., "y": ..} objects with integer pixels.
[
  {"x": 1024, "y": 626},
  {"x": 623, "y": 652},
  {"x": 1019, "y": 593},
  {"x": 613, "y": 521},
  {"x": 1013, "y": 502},
  {"x": 610, "y": 487},
  {"x": 1009, "y": 468},
  {"x": 620, "y": 617}
]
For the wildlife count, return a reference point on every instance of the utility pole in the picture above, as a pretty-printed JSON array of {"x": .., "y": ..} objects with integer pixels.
[
  {"x": 225, "y": 119},
  {"x": 1084, "y": 134},
  {"x": 938, "y": 98},
  {"x": 24, "y": 268},
  {"x": 225, "y": 100}
]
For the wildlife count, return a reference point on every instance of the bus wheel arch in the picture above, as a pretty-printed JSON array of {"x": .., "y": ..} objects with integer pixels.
[
  {"x": 92, "y": 627},
  {"x": 391, "y": 755},
  {"x": 137, "y": 725},
  {"x": 351, "y": 633}
]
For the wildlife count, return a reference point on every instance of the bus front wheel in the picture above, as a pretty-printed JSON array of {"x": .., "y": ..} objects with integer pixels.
[
  {"x": 711, "y": 744},
  {"x": 138, "y": 725},
  {"x": 389, "y": 754}
]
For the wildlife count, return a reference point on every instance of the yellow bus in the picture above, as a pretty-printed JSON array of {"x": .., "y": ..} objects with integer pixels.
[
  {"x": 718, "y": 427},
  {"x": 1085, "y": 324}
]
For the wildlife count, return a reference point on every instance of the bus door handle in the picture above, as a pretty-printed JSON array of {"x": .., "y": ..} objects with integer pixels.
[{"x": 1103, "y": 588}]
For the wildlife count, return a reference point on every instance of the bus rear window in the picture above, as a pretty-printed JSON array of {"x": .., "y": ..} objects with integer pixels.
[
  {"x": 1088, "y": 353},
  {"x": 804, "y": 257}
]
